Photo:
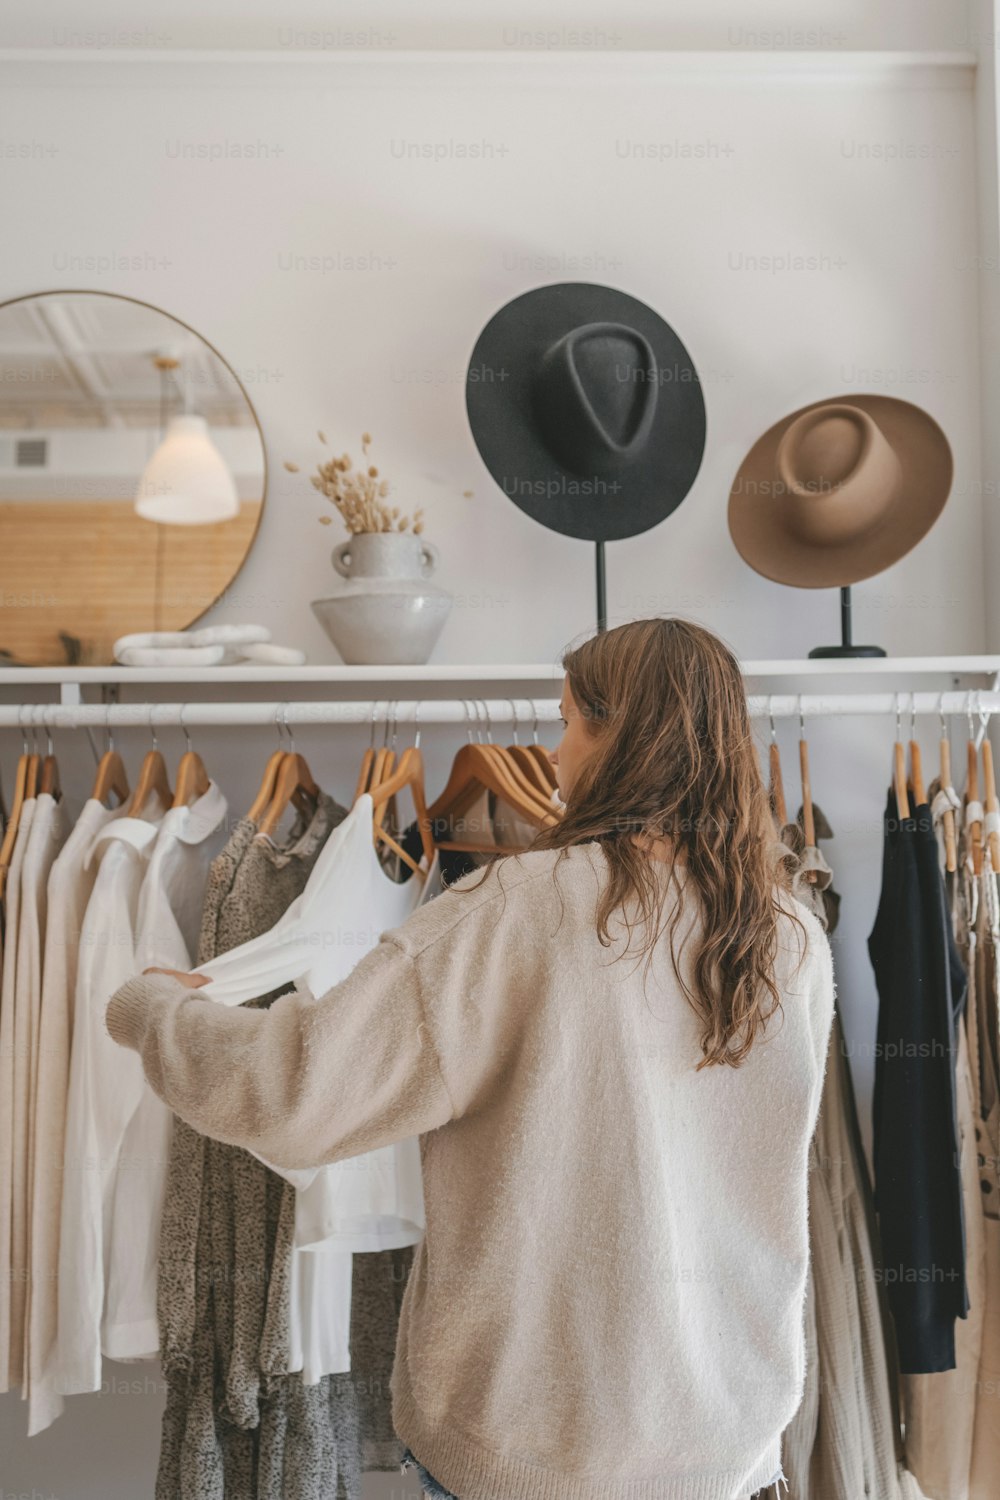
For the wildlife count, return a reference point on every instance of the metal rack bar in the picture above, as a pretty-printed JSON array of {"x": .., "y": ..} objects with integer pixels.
[{"x": 461, "y": 711}]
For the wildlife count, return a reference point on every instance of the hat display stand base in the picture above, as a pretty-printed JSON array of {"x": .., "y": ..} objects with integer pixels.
[{"x": 847, "y": 646}]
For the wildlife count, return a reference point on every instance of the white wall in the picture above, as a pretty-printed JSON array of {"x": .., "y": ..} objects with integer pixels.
[
  {"x": 579, "y": 24},
  {"x": 246, "y": 251}
]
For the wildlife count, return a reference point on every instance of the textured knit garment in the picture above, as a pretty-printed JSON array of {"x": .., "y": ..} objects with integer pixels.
[
  {"x": 236, "y": 1425},
  {"x": 922, "y": 986},
  {"x": 225, "y": 1245},
  {"x": 607, "y": 1303}
]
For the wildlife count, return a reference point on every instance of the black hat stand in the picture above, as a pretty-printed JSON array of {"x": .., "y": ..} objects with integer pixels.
[
  {"x": 847, "y": 646},
  {"x": 602, "y": 592}
]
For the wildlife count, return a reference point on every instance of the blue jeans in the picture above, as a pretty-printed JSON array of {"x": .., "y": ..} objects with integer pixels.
[
  {"x": 428, "y": 1482},
  {"x": 438, "y": 1492}
]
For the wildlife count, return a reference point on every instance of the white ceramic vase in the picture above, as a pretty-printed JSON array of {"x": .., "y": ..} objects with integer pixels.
[{"x": 387, "y": 613}]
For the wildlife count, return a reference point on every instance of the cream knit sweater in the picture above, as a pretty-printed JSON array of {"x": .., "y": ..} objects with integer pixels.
[{"x": 607, "y": 1303}]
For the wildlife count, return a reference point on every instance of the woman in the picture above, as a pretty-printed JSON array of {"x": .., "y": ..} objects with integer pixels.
[{"x": 613, "y": 1049}]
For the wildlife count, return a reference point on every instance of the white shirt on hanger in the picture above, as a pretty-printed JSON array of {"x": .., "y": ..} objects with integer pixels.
[
  {"x": 374, "y": 1201},
  {"x": 166, "y": 936},
  {"x": 117, "y": 1133},
  {"x": 104, "y": 1094},
  {"x": 10, "y": 1368},
  {"x": 369, "y": 1202},
  {"x": 69, "y": 888},
  {"x": 48, "y": 834}
]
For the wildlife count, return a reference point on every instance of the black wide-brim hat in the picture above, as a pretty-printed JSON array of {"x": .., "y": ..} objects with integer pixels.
[{"x": 587, "y": 410}]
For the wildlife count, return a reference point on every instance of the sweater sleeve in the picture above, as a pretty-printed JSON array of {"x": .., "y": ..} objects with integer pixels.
[
  {"x": 822, "y": 996},
  {"x": 307, "y": 1081}
]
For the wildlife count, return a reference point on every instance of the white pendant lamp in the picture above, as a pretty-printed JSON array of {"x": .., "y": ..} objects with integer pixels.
[{"x": 187, "y": 482}]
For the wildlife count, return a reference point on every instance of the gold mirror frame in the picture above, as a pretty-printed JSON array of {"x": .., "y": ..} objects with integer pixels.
[{"x": 238, "y": 383}]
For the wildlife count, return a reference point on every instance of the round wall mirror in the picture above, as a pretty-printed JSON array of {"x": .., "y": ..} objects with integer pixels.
[{"x": 132, "y": 475}]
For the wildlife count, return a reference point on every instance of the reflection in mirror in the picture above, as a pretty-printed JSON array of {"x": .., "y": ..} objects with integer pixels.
[{"x": 132, "y": 475}]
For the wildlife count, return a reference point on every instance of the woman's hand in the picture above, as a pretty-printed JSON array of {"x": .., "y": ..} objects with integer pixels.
[{"x": 193, "y": 981}]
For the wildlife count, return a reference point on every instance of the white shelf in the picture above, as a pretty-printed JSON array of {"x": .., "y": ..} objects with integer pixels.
[
  {"x": 931, "y": 68},
  {"x": 875, "y": 666},
  {"x": 436, "y": 680}
]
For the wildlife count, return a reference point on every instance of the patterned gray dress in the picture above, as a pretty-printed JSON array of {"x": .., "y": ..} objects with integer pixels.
[{"x": 237, "y": 1425}]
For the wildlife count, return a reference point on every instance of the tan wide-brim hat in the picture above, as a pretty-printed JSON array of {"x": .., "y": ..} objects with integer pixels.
[{"x": 839, "y": 490}]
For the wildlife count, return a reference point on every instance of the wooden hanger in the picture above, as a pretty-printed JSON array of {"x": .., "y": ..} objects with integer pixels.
[
  {"x": 990, "y": 788},
  {"x": 899, "y": 773},
  {"x": 294, "y": 783},
  {"x": 34, "y": 766},
  {"x": 530, "y": 765},
  {"x": 383, "y": 767},
  {"x": 548, "y": 770},
  {"x": 269, "y": 780},
  {"x": 192, "y": 778},
  {"x": 14, "y": 816},
  {"x": 376, "y": 766},
  {"x": 409, "y": 773},
  {"x": 110, "y": 778},
  {"x": 267, "y": 785},
  {"x": 468, "y": 779},
  {"x": 23, "y": 783},
  {"x": 153, "y": 779},
  {"x": 972, "y": 795},
  {"x": 153, "y": 782},
  {"x": 776, "y": 789},
  {"x": 48, "y": 777},
  {"x": 916, "y": 767},
  {"x": 541, "y": 756},
  {"x": 475, "y": 769},
  {"x": 509, "y": 767},
  {"x": 950, "y": 840},
  {"x": 367, "y": 762},
  {"x": 808, "y": 820}
]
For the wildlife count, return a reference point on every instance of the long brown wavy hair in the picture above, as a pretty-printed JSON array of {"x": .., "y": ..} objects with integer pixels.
[{"x": 674, "y": 755}]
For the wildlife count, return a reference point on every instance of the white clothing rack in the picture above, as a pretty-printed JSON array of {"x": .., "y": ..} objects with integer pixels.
[{"x": 979, "y": 703}]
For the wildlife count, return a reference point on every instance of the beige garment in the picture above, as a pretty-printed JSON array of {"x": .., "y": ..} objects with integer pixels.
[
  {"x": 510, "y": 830},
  {"x": 601, "y": 1213},
  {"x": 952, "y": 1430},
  {"x": 810, "y": 872},
  {"x": 492, "y": 822},
  {"x": 11, "y": 1348},
  {"x": 984, "y": 1482},
  {"x": 48, "y": 833},
  {"x": 844, "y": 1441},
  {"x": 940, "y": 1410},
  {"x": 69, "y": 889}
]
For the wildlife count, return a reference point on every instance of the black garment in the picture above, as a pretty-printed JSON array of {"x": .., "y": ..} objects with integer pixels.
[
  {"x": 453, "y": 863},
  {"x": 922, "y": 987}
]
